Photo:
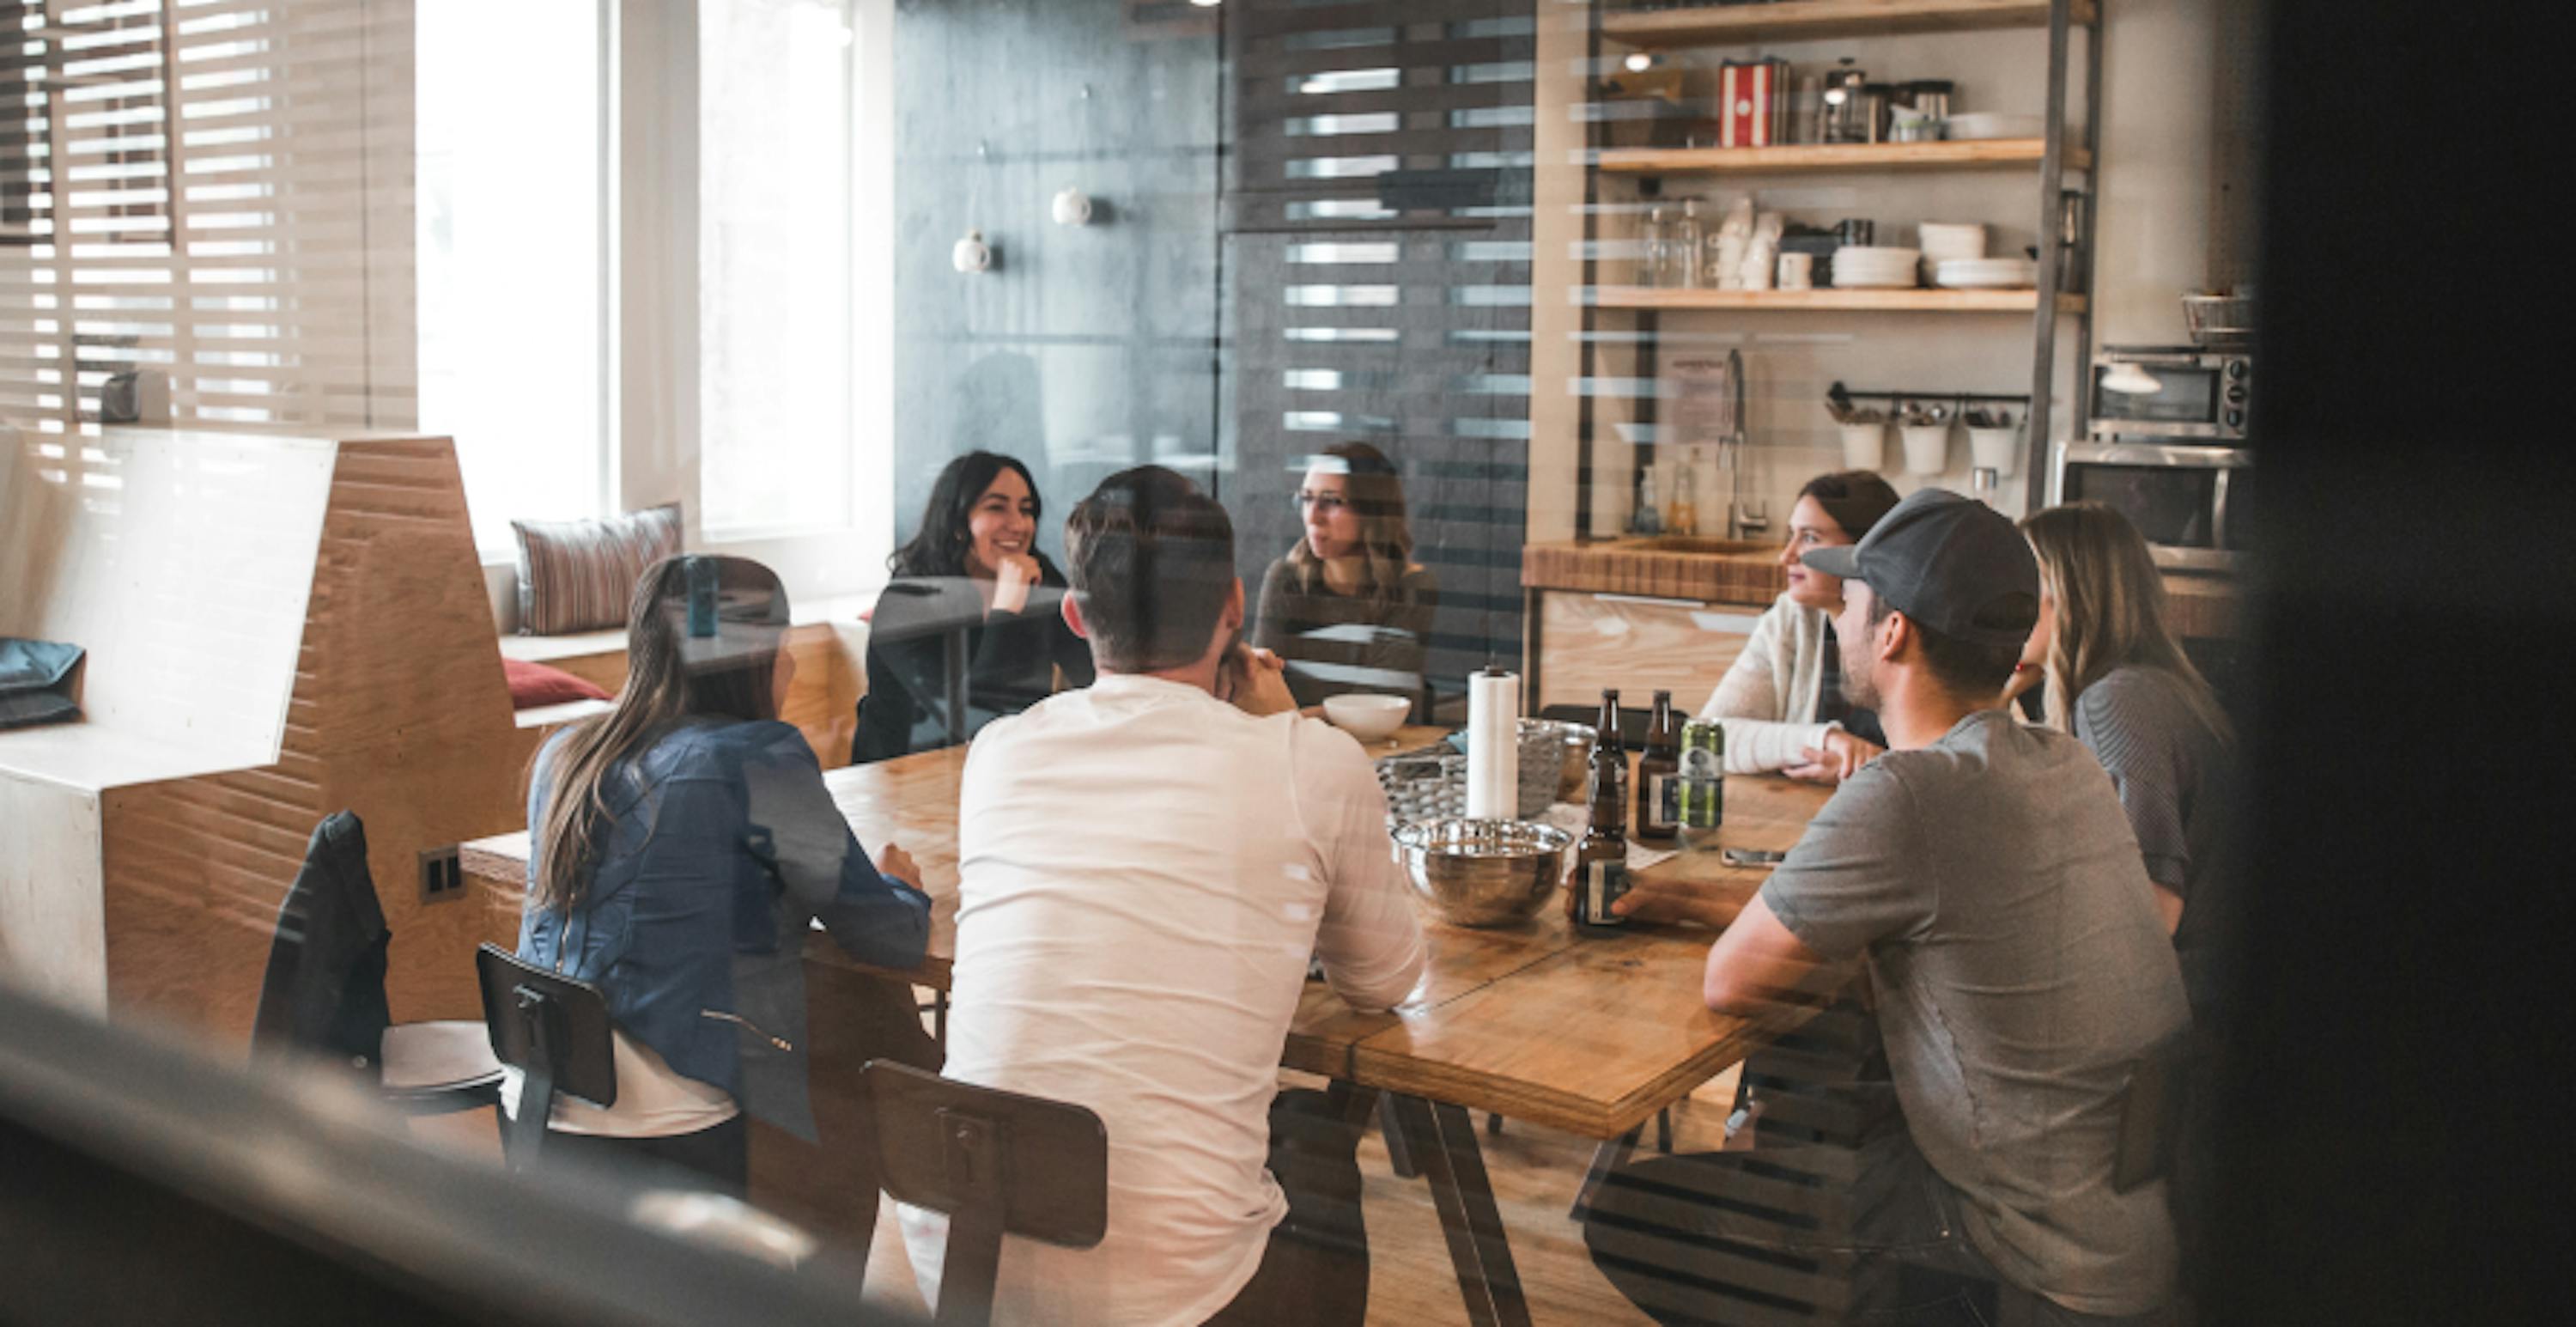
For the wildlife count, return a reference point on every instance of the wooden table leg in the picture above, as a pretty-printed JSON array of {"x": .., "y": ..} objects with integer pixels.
[
  {"x": 1442, "y": 1139},
  {"x": 1606, "y": 1158}
]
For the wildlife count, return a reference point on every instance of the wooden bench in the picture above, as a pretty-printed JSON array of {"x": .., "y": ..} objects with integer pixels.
[
  {"x": 278, "y": 628},
  {"x": 826, "y": 636}
]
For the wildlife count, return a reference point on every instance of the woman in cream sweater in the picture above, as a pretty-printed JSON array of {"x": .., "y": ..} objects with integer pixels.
[{"x": 1782, "y": 701}]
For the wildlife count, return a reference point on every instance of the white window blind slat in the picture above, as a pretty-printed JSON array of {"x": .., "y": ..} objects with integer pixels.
[{"x": 219, "y": 190}]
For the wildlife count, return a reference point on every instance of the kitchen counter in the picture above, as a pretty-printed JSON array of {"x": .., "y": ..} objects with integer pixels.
[
  {"x": 2204, "y": 607},
  {"x": 1735, "y": 571},
  {"x": 1694, "y": 567}
]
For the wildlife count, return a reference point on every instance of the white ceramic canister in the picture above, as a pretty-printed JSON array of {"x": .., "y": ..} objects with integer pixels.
[
  {"x": 1994, "y": 449},
  {"x": 1864, "y": 445}
]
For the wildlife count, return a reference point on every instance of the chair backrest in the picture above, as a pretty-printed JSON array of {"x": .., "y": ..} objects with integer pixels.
[
  {"x": 554, "y": 1031},
  {"x": 324, "y": 988},
  {"x": 996, "y": 1162}
]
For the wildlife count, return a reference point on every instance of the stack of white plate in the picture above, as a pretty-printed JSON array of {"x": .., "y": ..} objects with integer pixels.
[
  {"x": 1875, "y": 267},
  {"x": 1987, "y": 274}
]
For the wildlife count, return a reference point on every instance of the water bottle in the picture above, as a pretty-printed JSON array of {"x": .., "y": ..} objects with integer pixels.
[
  {"x": 1685, "y": 249},
  {"x": 1654, "y": 249}
]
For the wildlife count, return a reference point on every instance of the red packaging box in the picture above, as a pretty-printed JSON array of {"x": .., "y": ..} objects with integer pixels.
[{"x": 1752, "y": 102}]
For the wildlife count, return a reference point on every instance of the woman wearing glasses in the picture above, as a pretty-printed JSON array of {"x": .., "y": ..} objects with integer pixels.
[{"x": 1348, "y": 609}]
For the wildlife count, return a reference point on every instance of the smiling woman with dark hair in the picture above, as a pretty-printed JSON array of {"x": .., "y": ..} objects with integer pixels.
[
  {"x": 971, "y": 568},
  {"x": 1782, "y": 702}
]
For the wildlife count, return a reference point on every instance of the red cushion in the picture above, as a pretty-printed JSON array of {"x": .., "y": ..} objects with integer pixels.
[{"x": 534, "y": 684}]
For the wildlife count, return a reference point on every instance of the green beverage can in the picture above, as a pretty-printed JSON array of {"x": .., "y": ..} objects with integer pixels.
[{"x": 1701, "y": 785}]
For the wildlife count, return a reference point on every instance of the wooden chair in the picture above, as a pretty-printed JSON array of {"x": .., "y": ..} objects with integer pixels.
[
  {"x": 324, "y": 988},
  {"x": 996, "y": 1163},
  {"x": 555, "y": 1032}
]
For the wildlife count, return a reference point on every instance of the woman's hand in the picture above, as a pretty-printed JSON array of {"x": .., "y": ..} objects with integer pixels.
[
  {"x": 1254, "y": 681},
  {"x": 895, "y": 864},
  {"x": 2025, "y": 676},
  {"x": 1011, "y": 582},
  {"x": 1840, "y": 758}
]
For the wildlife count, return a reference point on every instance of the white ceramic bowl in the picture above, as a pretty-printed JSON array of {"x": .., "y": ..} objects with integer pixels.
[
  {"x": 1368, "y": 718},
  {"x": 1947, "y": 239},
  {"x": 1989, "y": 124}
]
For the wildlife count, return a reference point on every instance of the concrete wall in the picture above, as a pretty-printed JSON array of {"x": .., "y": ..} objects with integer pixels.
[{"x": 1085, "y": 350}]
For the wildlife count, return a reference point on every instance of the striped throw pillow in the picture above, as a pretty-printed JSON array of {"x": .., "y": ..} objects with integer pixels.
[{"x": 580, "y": 575}]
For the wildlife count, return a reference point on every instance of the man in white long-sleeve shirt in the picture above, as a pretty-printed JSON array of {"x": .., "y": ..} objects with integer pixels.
[{"x": 1145, "y": 867}]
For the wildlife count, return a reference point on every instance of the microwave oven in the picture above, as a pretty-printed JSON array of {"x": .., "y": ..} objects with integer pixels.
[
  {"x": 2189, "y": 499},
  {"x": 2171, "y": 392}
]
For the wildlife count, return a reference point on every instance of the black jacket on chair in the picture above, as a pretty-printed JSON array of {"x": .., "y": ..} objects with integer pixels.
[{"x": 325, "y": 986}]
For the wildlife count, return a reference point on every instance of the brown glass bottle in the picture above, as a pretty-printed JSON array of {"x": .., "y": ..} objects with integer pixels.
[
  {"x": 1600, "y": 873},
  {"x": 1658, "y": 768}
]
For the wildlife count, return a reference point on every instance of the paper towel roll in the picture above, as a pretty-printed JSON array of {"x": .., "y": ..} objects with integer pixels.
[{"x": 1493, "y": 744}]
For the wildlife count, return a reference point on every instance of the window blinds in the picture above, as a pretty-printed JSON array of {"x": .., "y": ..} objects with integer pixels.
[{"x": 217, "y": 190}]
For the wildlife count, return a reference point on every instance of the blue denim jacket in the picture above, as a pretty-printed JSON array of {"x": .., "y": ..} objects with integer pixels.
[{"x": 723, "y": 847}]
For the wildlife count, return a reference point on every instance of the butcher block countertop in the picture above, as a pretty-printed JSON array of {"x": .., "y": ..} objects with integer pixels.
[
  {"x": 1735, "y": 571},
  {"x": 1692, "y": 567}
]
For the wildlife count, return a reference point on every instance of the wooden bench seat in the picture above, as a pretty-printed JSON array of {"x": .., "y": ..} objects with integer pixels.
[{"x": 826, "y": 636}]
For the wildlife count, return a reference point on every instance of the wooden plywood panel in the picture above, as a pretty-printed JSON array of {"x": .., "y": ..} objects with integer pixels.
[
  {"x": 1591, "y": 641},
  {"x": 399, "y": 713},
  {"x": 52, "y": 935},
  {"x": 179, "y": 561}
]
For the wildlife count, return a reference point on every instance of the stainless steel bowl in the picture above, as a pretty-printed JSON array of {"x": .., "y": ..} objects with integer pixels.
[
  {"x": 1483, "y": 872},
  {"x": 1574, "y": 742}
]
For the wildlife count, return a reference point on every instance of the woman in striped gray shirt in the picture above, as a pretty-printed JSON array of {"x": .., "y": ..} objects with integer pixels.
[{"x": 2117, "y": 679}]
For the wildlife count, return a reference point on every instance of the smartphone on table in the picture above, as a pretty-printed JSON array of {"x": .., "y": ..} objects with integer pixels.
[{"x": 1750, "y": 856}]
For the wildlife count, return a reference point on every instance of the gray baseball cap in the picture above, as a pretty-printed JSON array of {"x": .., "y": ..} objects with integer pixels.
[{"x": 1953, "y": 564}]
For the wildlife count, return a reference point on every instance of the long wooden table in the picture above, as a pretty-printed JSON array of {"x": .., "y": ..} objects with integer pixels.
[{"x": 1530, "y": 1022}]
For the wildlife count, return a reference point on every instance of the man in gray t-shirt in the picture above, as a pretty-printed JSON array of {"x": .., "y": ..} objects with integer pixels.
[
  {"x": 1986, "y": 878},
  {"x": 1991, "y": 883}
]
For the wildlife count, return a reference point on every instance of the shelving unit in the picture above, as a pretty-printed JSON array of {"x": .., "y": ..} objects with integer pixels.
[
  {"x": 2051, "y": 158},
  {"x": 1860, "y": 300},
  {"x": 1807, "y": 20},
  {"x": 1987, "y": 154}
]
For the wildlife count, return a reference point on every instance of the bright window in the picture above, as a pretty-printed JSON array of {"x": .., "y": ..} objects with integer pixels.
[
  {"x": 774, "y": 253},
  {"x": 513, "y": 339}
]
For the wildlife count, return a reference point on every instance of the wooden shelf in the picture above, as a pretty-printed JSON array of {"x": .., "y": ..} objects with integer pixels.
[
  {"x": 1982, "y": 154},
  {"x": 1801, "y": 20},
  {"x": 1887, "y": 301}
]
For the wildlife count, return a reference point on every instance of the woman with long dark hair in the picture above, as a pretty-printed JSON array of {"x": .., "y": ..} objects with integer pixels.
[
  {"x": 1782, "y": 700},
  {"x": 1348, "y": 609},
  {"x": 971, "y": 580},
  {"x": 680, "y": 848}
]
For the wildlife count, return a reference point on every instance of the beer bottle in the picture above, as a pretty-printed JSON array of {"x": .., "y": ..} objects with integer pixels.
[
  {"x": 1658, "y": 775},
  {"x": 1601, "y": 860}
]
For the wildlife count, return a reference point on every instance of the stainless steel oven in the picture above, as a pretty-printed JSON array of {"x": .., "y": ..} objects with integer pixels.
[
  {"x": 2188, "y": 498},
  {"x": 2156, "y": 392}
]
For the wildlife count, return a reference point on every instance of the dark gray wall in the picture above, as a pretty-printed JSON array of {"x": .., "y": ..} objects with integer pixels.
[
  {"x": 1086, "y": 349},
  {"x": 1089, "y": 350}
]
